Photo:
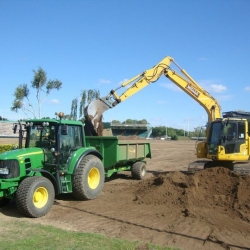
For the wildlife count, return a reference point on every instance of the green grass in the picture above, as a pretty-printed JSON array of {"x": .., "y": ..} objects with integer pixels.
[{"x": 21, "y": 235}]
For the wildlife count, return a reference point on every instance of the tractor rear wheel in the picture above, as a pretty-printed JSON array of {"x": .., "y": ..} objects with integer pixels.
[
  {"x": 138, "y": 170},
  {"x": 35, "y": 196},
  {"x": 88, "y": 178}
]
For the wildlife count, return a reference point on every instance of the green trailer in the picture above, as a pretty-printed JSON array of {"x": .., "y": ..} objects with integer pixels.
[
  {"x": 121, "y": 155},
  {"x": 55, "y": 157}
]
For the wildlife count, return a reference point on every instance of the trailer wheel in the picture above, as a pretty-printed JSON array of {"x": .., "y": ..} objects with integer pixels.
[
  {"x": 138, "y": 170},
  {"x": 88, "y": 178},
  {"x": 35, "y": 196}
]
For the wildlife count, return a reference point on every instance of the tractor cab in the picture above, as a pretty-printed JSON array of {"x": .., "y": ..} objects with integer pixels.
[{"x": 57, "y": 139}]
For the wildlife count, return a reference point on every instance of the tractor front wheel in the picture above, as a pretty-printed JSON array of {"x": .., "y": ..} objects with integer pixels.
[{"x": 35, "y": 196}]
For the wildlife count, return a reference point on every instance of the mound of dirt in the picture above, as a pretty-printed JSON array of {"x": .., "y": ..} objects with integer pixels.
[{"x": 217, "y": 188}]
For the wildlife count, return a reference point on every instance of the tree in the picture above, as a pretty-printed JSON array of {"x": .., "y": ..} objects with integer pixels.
[
  {"x": 160, "y": 131},
  {"x": 73, "y": 113},
  {"x": 128, "y": 121},
  {"x": 41, "y": 85},
  {"x": 143, "y": 121},
  {"x": 199, "y": 132},
  {"x": 3, "y": 119},
  {"x": 86, "y": 97},
  {"x": 116, "y": 122},
  {"x": 131, "y": 121}
]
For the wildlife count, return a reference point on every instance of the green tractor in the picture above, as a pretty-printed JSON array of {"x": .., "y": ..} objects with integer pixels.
[{"x": 55, "y": 157}]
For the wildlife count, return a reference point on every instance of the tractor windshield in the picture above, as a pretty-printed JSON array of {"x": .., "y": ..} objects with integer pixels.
[{"x": 42, "y": 136}]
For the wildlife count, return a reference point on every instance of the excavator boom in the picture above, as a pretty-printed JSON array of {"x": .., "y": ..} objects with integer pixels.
[{"x": 93, "y": 112}]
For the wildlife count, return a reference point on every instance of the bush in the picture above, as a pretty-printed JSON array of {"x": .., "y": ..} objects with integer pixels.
[
  {"x": 174, "y": 138},
  {"x": 5, "y": 147}
]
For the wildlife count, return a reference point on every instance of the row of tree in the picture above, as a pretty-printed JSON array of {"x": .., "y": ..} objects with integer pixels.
[
  {"x": 175, "y": 133},
  {"x": 130, "y": 122},
  {"x": 3, "y": 119}
]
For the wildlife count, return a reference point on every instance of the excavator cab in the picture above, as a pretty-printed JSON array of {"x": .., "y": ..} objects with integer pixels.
[{"x": 228, "y": 137}]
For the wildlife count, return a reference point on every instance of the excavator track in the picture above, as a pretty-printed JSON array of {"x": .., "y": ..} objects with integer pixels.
[{"x": 241, "y": 168}]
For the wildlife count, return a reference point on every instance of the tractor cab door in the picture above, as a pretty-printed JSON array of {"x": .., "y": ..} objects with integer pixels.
[{"x": 70, "y": 139}]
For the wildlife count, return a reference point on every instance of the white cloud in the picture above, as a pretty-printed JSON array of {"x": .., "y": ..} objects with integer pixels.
[
  {"x": 224, "y": 97},
  {"x": 218, "y": 88},
  {"x": 162, "y": 102},
  {"x": 247, "y": 88},
  {"x": 203, "y": 59},
  {"x": 55, "y": 101},
  {"x": 104, "y": 81},
  {"x": 121, "y": 82},
  {"x": 170, "y": 86},
  {"x": 213, "y": 86}
]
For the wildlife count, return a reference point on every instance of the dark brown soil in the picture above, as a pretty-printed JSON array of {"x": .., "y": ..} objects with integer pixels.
[{"x": 206, "y": 210}]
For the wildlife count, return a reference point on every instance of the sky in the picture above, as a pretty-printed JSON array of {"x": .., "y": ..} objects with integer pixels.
[{"x": 97, "y": 44}]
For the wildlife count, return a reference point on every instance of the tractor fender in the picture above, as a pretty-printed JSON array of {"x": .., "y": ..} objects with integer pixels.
[
  {"x": 49, "y": 176},
  {"x": 87, "y": 152}
]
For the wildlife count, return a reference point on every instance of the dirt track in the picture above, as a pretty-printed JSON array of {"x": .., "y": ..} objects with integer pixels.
[{"x": 207, "y": 210}]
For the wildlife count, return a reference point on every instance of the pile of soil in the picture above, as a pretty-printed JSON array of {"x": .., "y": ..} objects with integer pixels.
[{"x": 218, "y": 189}]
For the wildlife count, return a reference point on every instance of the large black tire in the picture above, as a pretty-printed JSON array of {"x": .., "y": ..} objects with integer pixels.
[
  {"x": 139, "y": 170},
  {"x": 88, "y": 178},
  {"x": 35, "y": 196}
]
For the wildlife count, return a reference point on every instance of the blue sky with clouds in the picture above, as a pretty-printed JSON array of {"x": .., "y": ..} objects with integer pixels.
[{"x": 98, "y": 44}]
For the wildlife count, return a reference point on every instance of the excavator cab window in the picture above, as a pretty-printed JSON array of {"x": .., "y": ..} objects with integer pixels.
[
  {"x": 233, "y": 136},
  {"x": 230, "y": 132},
  {"x": 214, "y": 139},
  {"x": 241, "y": 130}
]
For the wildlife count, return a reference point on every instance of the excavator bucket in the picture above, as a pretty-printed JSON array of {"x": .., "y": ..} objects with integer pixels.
[{"x": 93, "y": 117}]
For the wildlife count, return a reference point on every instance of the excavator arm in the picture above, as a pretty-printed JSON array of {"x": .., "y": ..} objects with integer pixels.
[{"x": 93, "y": 112}]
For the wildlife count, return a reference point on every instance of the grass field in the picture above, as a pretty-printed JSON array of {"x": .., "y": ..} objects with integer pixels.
[{"x": 21, "y": 235}]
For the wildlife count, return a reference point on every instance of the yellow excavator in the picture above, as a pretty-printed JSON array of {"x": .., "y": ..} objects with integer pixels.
[{"x": 227, "y": 141}]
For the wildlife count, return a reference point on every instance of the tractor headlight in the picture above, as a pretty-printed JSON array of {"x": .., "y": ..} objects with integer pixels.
[
  {"x": 4, "y": 171},
  {"x": 9, "y": 169}
]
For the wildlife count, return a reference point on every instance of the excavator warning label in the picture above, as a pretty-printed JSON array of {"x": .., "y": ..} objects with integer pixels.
[{"x": 191, "y": 89}]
